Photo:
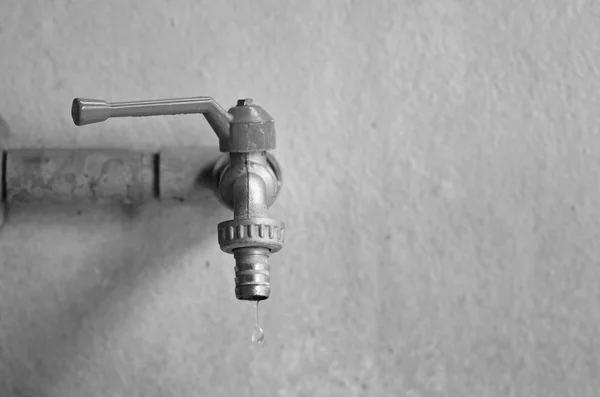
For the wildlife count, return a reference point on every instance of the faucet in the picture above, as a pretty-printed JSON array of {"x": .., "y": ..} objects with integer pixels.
[{"x": 248, "y": 179}]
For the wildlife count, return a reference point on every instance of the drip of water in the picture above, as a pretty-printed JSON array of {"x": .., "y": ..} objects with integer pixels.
[{"x": 258, "y": 335}]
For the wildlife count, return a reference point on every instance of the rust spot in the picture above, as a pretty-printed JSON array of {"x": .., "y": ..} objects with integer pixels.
[{"x": 33, "y": 160}]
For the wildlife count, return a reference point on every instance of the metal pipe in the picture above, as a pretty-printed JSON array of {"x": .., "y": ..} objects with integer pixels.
[{"x": 106, "y": 176}]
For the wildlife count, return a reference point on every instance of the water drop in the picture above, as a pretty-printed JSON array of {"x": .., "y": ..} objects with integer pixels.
[{"x": 258, "y": 335}]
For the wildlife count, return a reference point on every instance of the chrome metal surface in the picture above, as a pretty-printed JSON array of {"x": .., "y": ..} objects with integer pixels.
[
  {"x": 239, "y": 178},
  {"x": 252, "y": 278},
  {"x": 249, "y": 183}
]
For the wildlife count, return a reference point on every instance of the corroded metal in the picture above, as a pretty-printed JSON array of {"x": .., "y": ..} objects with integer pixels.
[
  {"x": 79, "y": 176},
  {"x": 107, "y": 176}
]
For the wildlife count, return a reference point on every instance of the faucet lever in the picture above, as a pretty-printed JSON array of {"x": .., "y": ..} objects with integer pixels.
[{"x": 87, "y": 111}]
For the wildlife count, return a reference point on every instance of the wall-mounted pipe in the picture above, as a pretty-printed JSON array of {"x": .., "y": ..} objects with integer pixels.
[{"x": 104, "y": 176}]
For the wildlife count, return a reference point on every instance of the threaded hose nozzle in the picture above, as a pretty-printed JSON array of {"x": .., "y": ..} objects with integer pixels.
[{"x": 252, "y": 278}]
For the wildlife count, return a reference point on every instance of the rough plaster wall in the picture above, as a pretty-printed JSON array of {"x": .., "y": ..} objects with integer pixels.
[{"x": 441, "y": 162}]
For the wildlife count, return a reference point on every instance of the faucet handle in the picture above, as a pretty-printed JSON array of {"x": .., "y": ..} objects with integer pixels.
[
  {"x": 245, "y": 128},
  {"x": 87, "y": 111}
]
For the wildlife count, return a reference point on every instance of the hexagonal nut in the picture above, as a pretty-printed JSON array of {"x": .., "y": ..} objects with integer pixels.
[
  {"x": 251, "y": 137},
  {"x": 253, "y": 232}
]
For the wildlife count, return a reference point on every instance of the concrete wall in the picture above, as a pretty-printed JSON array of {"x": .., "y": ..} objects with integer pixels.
[{"x": 442, "y": 198}]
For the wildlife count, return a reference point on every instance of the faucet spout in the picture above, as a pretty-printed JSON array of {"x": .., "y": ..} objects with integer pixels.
[{"x": 249, "y": 186}]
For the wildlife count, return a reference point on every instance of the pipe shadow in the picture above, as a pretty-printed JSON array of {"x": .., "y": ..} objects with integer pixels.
[
  {"x": 4, "y": 136},
  {"x": 47, "y": 327}
]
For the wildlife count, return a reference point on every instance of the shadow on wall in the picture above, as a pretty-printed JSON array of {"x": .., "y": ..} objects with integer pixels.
[
  {"x": 63, "y": 269},
  {"x": 4, "y": 132},
  {"x": 4, "y": 135}
]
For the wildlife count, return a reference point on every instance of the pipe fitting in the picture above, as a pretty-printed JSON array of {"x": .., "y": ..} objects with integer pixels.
[
  {"x": 251, "y": 232},
  {"x": 252, "y": 277}
]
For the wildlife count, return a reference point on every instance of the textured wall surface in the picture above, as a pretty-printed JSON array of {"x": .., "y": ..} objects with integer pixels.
[{"x": 441, "y": 161}]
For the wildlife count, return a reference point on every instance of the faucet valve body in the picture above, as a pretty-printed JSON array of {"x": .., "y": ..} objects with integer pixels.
[
  {"x": 249, "y": 182},
  {"x": 248, "y": 178}
]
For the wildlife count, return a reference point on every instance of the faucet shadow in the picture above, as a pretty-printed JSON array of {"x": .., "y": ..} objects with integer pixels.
[{"x": 50, "y": 327}]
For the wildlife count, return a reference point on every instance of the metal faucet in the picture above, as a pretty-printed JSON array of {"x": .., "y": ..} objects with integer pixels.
[{"x": 248, "y": 179}]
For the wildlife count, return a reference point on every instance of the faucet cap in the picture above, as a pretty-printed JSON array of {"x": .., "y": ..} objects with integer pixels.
[
  {"x": 251, "y": 129},
  {"x": 246, "y": 112}
]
